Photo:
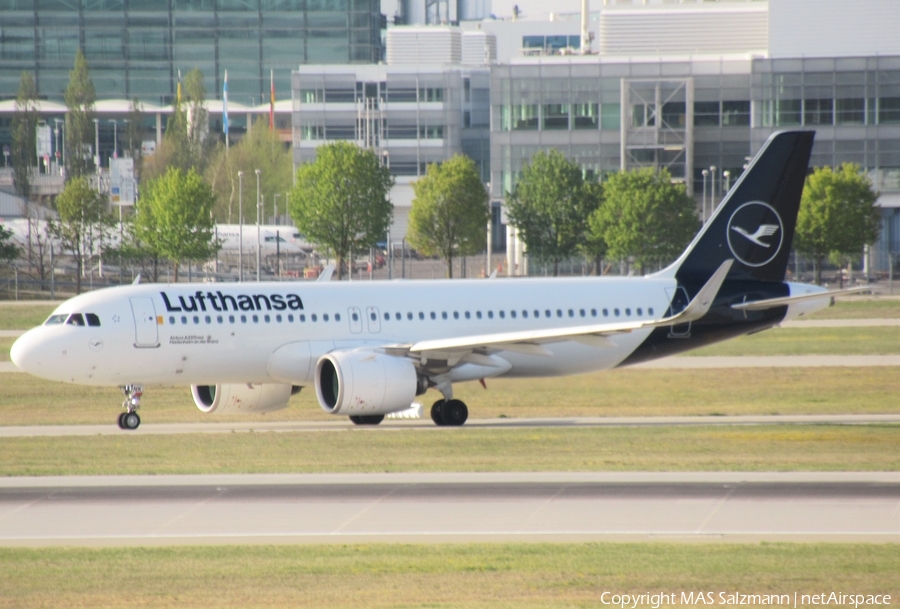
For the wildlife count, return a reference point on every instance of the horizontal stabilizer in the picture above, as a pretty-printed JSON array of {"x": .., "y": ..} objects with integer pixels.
[{"x": 771, "y": 303}]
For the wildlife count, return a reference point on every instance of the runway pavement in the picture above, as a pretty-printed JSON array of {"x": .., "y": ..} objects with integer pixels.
[
  {"x": 342, "y": 424},
  {"x": 352, "y": 508}
]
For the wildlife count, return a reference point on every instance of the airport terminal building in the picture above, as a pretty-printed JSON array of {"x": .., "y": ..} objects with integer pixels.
[
  {"x": 659, "y": 93},
  {"x": 695, "y": 87}
]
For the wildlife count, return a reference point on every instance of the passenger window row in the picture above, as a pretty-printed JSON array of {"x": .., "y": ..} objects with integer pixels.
[
  {"x": 232, "y": 319},
  {"x": 524, "y": 314},
  {"x": 397, "y": 316}
]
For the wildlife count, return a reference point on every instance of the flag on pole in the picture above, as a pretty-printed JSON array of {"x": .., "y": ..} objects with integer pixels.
[
  {"x": 225, "y": 108},
  {"x": 178, "y": 93},
  {"x": 272, "y": 100}
]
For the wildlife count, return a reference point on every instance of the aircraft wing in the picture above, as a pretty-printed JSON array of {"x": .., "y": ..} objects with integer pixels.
[
  {"x": 770, "y": 303},
  {"x": 530, "y": 341}
]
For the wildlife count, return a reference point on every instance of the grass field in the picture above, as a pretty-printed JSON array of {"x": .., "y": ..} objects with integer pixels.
[
  {"x": 543, "y": 576},
  {"x": 707, "y": 448},
  {"x": 882, "y": 340},
  {"x": 867, "y": 307},
  {"x": 25, "y": 400},
  {"x": 5, "y": 344},
  {"x": 23, "y": 316}
]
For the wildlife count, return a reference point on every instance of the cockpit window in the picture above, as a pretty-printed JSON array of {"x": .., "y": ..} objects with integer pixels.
[
  {"x": 92, "y": 319},
  {"x": 56, "y": 319},
  {"x": 75, "y": 319}
]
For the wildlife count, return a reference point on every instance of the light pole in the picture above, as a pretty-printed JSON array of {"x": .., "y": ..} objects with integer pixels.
[
  {"x": 115, "y": 123},
  {"x": 97, "y": 149},
  {"x": 258, "y": 245},
  {"x": 705, "y": 173},
  {"x": 240, "y": 226},
  {"x": 487, "y": 251},
  {"x": 56, "y": 123},
  {"x": 727, "y": 175},
  {"x": 712, "y": 194}
]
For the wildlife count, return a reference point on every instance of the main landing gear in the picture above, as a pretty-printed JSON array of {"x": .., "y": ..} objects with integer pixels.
[
  {"x": 130, "y": 419},
  {"x": 450, "y": 413}
]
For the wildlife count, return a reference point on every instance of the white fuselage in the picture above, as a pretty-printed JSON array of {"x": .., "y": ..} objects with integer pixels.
[{"x": 168, "y": 334}]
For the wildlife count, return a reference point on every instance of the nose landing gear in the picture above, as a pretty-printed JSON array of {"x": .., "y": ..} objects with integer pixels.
[{"x": 130, "y": 419}]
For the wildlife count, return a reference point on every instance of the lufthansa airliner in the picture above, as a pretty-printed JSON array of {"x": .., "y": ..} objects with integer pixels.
[{"x": 369, "y": 348}]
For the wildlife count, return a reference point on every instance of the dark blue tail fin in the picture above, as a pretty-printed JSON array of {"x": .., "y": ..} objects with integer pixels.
[{"x": 754, "y": 225}]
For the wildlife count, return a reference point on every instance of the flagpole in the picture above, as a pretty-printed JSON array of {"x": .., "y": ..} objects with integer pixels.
[
  {"x": 225, "y": 110},
  {"x": 272, "y": 100}
]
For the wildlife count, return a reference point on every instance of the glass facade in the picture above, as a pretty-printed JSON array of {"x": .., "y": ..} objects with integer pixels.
[
  {"x": 576, "y": 106},
  {"x": 135, "y": 48}
]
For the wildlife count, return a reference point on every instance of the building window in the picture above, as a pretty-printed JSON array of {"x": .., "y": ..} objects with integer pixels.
[
  {"x": 431, "y": 132},
  {"x": 312, "y": 132},
  {"x": 519, "y": 117},
  {"x": 431, "y": 94},
  {"x": 850, "y": 111},
  {"x": 643, "y": 115},
  {"x": 340, "y": 96},
  {"x": 399, "y": 94},
  {"x": 312, "y": 96},
  {"x": 818, "y": 112},
  {"x": 401, "y": 132},
  {"x": 735, "y": 114},
  {"x": 610, "y": 117},
  {"x": 706, "y": 114},
  {"x": 556, "y": 116},
  {"x": 585, "y": 116},
  {"x": 674, "y": 115},
  {"x": 787, "y": 112},
  {"x": 888, "y": 110}
]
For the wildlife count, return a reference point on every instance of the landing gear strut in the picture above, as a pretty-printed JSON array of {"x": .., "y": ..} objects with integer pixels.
[
  {"x": 130, "y": 419},
  {"x": 450, "y": 413}
]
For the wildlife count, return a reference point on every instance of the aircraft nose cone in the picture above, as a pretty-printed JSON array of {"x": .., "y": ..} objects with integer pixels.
[{"x": 23, "y": 352}]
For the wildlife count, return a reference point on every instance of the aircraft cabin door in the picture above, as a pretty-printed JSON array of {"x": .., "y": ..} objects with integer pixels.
[
  {"x": 145, "y": 328},
  {"x": 355, "y": 317},
  {"x": 372, "y": 320},
  {"x": 678, "y": 299}
]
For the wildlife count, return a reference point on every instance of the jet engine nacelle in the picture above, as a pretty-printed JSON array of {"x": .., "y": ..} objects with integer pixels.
[
  {"x": 364, "y": 382},
  {"x": 243, "y": 398}
]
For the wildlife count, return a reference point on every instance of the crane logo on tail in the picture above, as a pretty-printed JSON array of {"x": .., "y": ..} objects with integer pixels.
[{"x": 755, "y": 233}]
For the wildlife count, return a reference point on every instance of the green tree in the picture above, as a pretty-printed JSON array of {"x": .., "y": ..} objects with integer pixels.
[
  {"x": 340, "y": 201},
  {"x": 594, "y": 245},
  {"x": 133, "y": 137},
  {"x": 24, "y": 134},
  {"x": 449, "y": 213},
  {"x": 174, "y": 218},
  {"x": 645, "y": 217},
  {"x": 838, "y": 215},
  {"x": 80, "y": 96},
  {"x": 83, "y": 222},
  {"x": 260, "y": 149},
  {"x": 185, "y": 145},
  {"x": 550, "y": 207},
  {"x": 9, "y": 251}
]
